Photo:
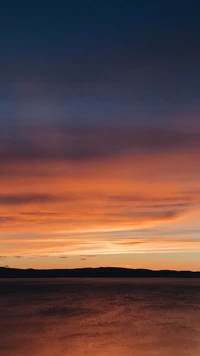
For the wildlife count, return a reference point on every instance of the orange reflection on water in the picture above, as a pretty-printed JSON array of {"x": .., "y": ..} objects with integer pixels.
[{"x": 100, "y": 318}]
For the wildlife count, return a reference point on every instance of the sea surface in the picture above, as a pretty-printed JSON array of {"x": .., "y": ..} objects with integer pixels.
[{"x": 100, "y": 317}]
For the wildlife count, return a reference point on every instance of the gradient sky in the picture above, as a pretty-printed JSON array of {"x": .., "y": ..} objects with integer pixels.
[{"x": 100, "y": 134}]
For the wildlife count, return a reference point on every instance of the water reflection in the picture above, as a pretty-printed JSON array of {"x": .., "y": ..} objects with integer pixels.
[{"x": 100, "y": 318}]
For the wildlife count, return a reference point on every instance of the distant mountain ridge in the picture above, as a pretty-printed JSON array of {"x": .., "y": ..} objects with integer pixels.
[{"x": 100, "y": 272}]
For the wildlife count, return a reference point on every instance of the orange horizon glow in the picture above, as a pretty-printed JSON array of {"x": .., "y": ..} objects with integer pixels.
[{"x": 130, "y": 205}]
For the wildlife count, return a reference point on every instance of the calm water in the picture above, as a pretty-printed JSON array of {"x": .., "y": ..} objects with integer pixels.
[{"x": 99, "y": 317}]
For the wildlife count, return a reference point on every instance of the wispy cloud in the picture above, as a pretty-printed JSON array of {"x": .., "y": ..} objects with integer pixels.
[
  {"x": 23, "y": 199},
  {"x": 76, "y": 144}
]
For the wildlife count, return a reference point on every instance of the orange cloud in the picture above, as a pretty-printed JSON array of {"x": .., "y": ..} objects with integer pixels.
[{"x": 71, "y": 208}]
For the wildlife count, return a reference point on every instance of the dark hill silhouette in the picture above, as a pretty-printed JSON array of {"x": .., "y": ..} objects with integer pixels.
[{"x": 101, "y": 272}]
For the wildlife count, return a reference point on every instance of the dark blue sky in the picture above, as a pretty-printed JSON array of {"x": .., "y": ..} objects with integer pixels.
[{"x": 99, "y": 62}]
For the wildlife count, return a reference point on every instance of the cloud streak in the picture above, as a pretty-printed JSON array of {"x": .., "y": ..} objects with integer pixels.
[
  {"x": 24, "y": 199},
  {"x": 76, "y": 144}
]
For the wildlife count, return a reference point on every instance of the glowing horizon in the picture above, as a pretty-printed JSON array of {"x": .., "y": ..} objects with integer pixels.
[{"x": 104, "y": 207}]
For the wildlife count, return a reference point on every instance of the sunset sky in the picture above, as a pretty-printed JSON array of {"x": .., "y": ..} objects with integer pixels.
[{"x": 100, "y": 134}]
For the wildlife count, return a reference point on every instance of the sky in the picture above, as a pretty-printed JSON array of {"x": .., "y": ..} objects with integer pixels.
[{"x": 100, "y": 134}]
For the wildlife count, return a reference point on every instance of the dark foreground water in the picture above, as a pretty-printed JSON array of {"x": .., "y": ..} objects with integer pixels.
[{"x": 99, "y": 317}]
